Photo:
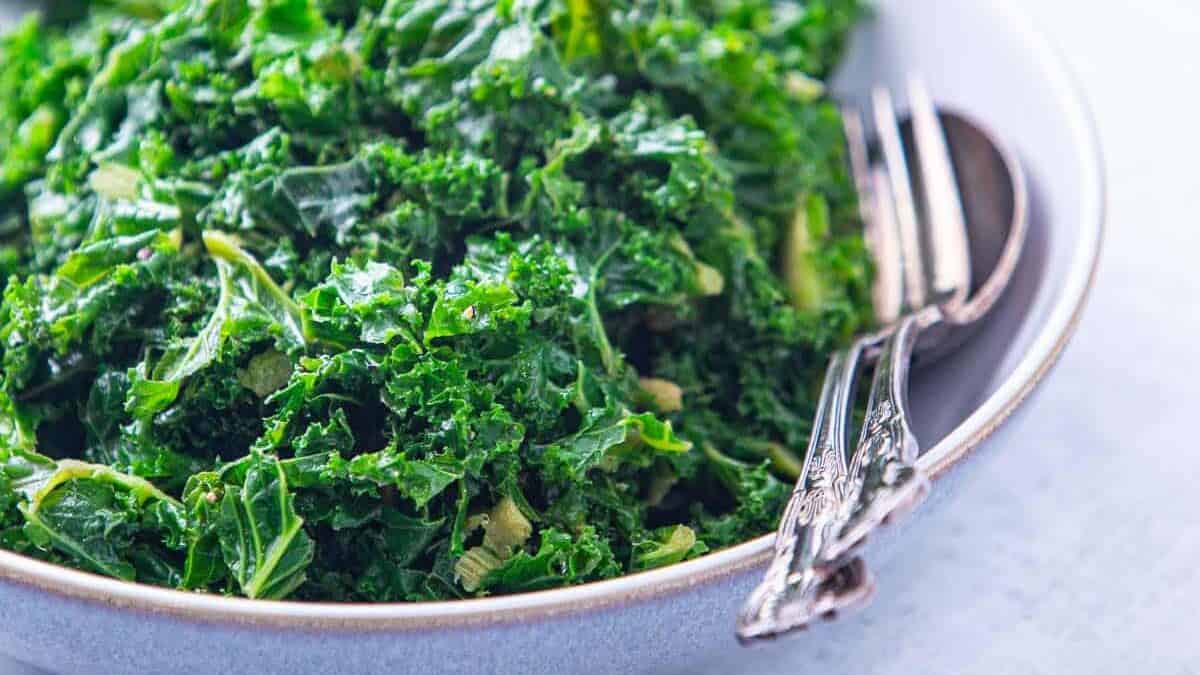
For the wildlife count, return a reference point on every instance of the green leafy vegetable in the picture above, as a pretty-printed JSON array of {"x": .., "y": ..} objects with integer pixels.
[
  {"x": 666, "y": 546},
  {"x": 262, "y": 539},
  {"x": 406, "y": 301},
  {"x": 105, "y": 521}
]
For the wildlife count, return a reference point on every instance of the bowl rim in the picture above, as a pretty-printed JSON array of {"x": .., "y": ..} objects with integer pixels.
[{"x": 425, "y": 616}]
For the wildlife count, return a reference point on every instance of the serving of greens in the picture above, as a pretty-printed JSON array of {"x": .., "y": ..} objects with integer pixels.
[{"x": 400, "y": 300}]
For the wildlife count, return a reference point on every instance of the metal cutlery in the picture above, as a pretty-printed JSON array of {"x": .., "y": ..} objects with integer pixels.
[{"x": 925, "y": 298}]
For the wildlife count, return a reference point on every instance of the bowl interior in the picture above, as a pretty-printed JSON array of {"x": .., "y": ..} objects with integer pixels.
[{"x": 974, "y": 66}]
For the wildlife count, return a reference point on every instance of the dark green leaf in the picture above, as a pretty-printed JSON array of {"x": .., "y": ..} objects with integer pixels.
[{"x": 262, "y": 539}]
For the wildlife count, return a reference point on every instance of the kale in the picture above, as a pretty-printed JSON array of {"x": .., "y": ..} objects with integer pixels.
[{"x": 395, "y": 300}]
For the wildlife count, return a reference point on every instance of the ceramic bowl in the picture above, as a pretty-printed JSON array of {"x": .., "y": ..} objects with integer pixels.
[{"x": 979, "y": 57}]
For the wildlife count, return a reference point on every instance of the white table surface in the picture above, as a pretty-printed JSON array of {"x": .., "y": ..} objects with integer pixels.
[{"x": 1073, "y": 544}]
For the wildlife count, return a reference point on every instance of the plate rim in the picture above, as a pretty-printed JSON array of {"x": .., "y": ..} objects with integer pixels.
[{"x": 667, "y": 581}]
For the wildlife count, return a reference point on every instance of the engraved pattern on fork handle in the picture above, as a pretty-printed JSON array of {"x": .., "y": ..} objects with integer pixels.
[
  {"x": 888, "y": 484},
  {"x": 839, "y": 499},
  {"x": 794, "y": 588}
]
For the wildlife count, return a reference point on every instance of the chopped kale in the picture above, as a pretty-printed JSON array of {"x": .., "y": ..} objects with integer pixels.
[{"x": 387, "y": 300}]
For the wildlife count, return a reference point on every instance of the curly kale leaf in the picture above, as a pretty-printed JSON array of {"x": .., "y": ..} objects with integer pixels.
[
  {"x": 262, "y": 539},
  {"x": 560, "y": 560},
  {"x": 108, "y": 522},
  {"x": 249, "y": 302}
]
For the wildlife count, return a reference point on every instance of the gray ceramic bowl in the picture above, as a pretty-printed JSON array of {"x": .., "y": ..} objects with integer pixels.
[{"x": 977, "y": 56}]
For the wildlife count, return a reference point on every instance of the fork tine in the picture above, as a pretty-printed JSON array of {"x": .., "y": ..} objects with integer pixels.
[
  {"x": 888, "y": 293},
  {"x": 860, "y": 165},
  {"x": 892, "y": 147},
  {"x": 949, "y": 256},
  {"x": 879, "y": 222}
]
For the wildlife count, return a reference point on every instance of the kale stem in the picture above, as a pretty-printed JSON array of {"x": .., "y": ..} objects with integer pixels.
[{"x": 608, "y": 356}]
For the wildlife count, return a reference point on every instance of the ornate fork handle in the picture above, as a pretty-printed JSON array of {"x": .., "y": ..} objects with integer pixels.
[
  {"x": 795, "y": 587},
  {"x": 839, "y": 497},
  {"x": 889, "y": 485}
]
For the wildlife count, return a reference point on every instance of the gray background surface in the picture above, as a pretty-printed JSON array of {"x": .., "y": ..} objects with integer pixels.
[{"x": 1074, "y": 544}]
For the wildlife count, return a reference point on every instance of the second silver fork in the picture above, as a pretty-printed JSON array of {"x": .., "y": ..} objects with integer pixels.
[{"x": 923, "y": 272}]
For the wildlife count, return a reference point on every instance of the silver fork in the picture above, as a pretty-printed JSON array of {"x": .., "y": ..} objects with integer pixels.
[{"x": 923, "y": 275}]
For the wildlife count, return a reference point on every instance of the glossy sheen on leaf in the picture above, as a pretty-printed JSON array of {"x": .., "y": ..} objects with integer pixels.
[{"x": 261, "y": 537}]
